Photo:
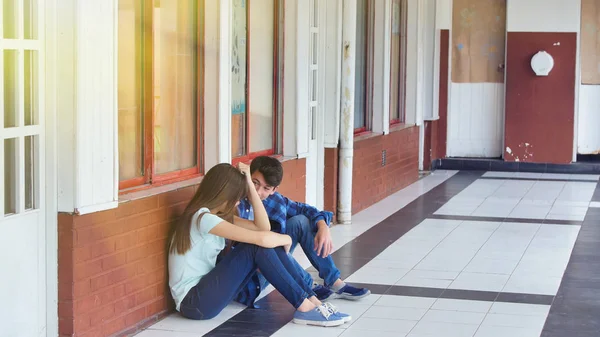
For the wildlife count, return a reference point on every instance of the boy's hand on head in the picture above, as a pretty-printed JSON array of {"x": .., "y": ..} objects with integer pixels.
[{"x": 323, "y": 242}]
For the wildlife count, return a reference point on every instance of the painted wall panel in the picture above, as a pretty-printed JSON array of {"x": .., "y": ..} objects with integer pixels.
[
  {"x": 475, "y": 120},
  {"x": 589, "y": 120}
]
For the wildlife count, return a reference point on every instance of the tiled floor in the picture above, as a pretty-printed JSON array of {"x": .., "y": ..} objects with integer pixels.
[{"x": 455, "y": 254}]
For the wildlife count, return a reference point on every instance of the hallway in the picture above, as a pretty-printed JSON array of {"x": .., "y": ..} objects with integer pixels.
[{"x": 484, "y": 254}]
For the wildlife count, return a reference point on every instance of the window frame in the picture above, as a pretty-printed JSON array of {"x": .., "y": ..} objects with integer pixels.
[
  {"x": 369, "y": 70},
  {"x": 277, "y": 88},
  {"x": 150, "y": 178},
  {"x": 402, "y": 70}
]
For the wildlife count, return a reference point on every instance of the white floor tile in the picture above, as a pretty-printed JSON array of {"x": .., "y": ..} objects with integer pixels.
[
  {"x": 176, "y": 322},
  {"x": 572, "y": 217},
  {"x": 520, "y": 309},
  {"x": 385, "y": 325},
  {"x": 515, "y": 321},
  {"x": 375, "y": 275},
  {"x": 165, "y": 333},
  {"x": 462, "y": 305},
  {"x": 524, "y": 211},
  {"x": 496, "y": 331},
  {"x": 409, "y": 314},
  {"x": 424, "y": 282},
  {"x": 591, "y": 177},
  {"x": 485, "y": 265},
  {"x": 475, "y": 281},
  {"x": 459, "y": 317},
  {"x": 532, "y": 284},
  {"x": 405, "y": 302},
  {"x": 351, "y": 332},
  {"x": 499, "y": 174},
  {"x": 439, "y": 329}
]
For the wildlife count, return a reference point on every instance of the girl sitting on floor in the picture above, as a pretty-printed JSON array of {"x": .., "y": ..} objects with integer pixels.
[{"x": 202, "y": 288}]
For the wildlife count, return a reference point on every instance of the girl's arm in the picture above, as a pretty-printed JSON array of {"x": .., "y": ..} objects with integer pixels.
[
  {"x": 266, "y": 239},
  {"x": 261, "y": 219}
]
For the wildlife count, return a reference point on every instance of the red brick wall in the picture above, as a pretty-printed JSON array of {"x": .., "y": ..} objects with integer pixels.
[
  {"x": 112, "y": 269},
  {"x": 372, "y": 182}
]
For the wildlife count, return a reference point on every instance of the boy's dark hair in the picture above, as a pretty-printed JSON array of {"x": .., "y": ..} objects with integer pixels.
[{"x": 270, "y": 168}]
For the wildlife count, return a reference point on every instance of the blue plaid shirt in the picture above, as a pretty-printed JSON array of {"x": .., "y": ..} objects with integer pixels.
[{"x": 279, "y": 209}]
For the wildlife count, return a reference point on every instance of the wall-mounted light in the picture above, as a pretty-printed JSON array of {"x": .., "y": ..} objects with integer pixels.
[{"x": 542, "y": 63}]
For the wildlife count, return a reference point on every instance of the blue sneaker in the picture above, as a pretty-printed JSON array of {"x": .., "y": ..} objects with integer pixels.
[
  {"x": 322, "y": 292},
  {"x": 349, "y": 292},
  {"x": 320, "y": 316},
  {"x": 347, "y": 318}
]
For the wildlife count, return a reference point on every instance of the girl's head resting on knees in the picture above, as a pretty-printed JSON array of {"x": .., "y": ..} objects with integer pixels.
[{"x": 220, "y": 191}]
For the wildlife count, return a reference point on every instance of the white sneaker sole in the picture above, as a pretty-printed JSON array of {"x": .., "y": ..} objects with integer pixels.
[{"x": 319, "y": 323}]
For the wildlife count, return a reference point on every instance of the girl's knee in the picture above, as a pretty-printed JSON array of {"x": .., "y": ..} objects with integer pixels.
[{"x": 198, "y": 314}]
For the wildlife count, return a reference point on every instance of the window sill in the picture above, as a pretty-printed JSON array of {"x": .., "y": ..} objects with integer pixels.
[
  {"x": 365, "y": 135},
  {"x": 400, "y": 126},
  {"x": 160, "y": 189}
]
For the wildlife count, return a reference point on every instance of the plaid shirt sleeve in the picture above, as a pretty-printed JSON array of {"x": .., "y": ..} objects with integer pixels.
[{"x": 293, "y": 208}]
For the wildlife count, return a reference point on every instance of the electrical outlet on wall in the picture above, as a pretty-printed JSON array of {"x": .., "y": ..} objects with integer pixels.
[{"x": 383, "y": 157}]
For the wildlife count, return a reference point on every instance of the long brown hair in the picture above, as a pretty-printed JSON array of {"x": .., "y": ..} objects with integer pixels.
[{"x": 222, "y": 186}]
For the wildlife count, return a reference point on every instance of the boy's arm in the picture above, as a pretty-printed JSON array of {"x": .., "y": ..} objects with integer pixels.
[{"x": 312, "y": 213}]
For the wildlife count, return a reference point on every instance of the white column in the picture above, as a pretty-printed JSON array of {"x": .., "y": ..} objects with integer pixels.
[{"x": 346, "y": 152}]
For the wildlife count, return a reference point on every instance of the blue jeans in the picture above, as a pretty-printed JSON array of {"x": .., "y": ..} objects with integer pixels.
[
  {"x": 301, "y": 232},
  {"x": 218, "y": 288}
]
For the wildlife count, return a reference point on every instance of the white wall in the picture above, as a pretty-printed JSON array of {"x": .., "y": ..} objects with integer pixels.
[
  {"x": 475, "y": 111},
  {"x": 87, "y": 101},
  {"x": 543, "y": 15},
  {"x": 589, "y": 119},
  {"x": 475, "y": 123}
]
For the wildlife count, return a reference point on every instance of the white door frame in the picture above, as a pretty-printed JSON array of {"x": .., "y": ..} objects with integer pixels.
[{"x": 315, "y": 161}]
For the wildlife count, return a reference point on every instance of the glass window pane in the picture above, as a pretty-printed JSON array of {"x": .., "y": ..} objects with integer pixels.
[
  {"x": 30, "y": 9},
  {"x": 175, "y": 84},
  {"x": 361, "y": 64},
  {"x": 11, "y": 88},
  {"x": 31, "y": 152},
  {"x": 238, "y": 78},
  {"x": 10, "y": 176},
  {"x": 261, "y": 39},
  {"x": 398, "y": 62},
  {"x": 130, "y": 90},
  {"x": 31, "y": 87},
  {"x": 9, "y": 8}
]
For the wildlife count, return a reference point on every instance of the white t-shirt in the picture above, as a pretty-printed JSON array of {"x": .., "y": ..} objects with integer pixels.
[{"x": 185, "y": 271}]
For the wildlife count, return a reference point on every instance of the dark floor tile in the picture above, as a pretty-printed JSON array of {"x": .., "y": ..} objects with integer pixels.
[
  {"x": 525, "y": 298},
  {"x": 476, "y": 164},
  {"x": 415, "y": 291},
  {"x": 377, "y": 289},
  {"x": 472, "y": 295},
  {"x": 583, "y": 271},
  {"x": 532, "y": 167},
  {"x": 451, "y": 164},
  {"x": 572, "y": 322},
  {"x": 501, "y": 165},
  {"x": 565, "y": 333},
  {"x": 559, "y": 222}
]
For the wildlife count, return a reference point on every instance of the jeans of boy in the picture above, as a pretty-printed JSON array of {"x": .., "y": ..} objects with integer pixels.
[
  {"x": 301, "y": 232},
  {"x": 218, "y": 288}
]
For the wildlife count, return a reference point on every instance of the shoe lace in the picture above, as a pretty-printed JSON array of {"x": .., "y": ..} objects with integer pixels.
[
  {"x": 331, "y": 308},
  {"x": 325, "y": 311}
]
